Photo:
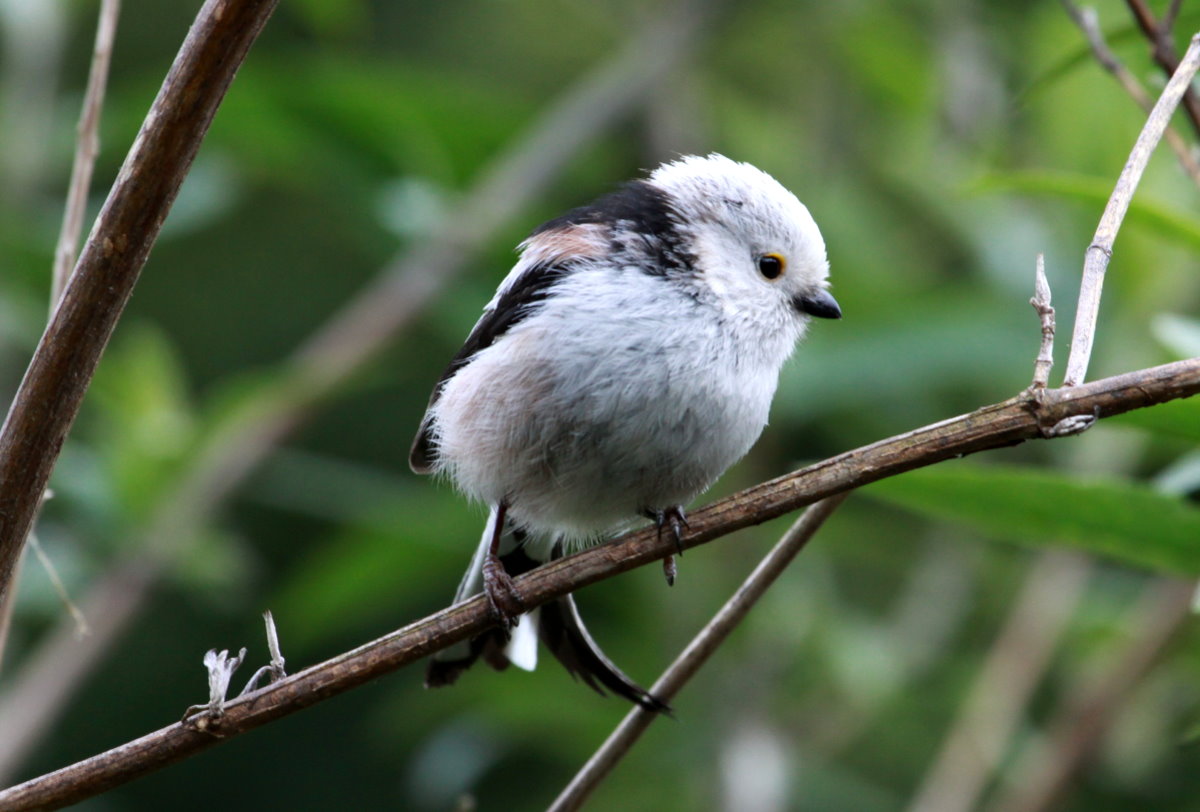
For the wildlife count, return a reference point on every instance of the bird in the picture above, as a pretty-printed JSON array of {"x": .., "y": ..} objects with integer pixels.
[{"x": 624, "y": 363}]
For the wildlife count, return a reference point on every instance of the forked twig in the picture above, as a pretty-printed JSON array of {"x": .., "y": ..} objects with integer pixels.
[{"x": 1100, "y": 251}]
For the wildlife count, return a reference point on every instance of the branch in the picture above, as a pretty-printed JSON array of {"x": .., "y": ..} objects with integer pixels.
[
  {"x": 87, "y": 147},
  {"x": 696, "y": 654},
  {"x": 1100, "y": 251},
  {"x": 1089, "y": 24},
  {"x": 348, "y": 341},
  {"x": 1163, "y": 49},
  {"x": 1025, "y": 417},
  {"x": 62, "y": 366}
]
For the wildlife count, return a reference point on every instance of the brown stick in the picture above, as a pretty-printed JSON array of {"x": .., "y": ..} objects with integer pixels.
[
  {"x": 50, "y": 394},
  {"x": 1025, "y": 417}
]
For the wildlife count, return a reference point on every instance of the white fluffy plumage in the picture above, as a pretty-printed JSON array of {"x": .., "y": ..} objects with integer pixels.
[
  {"x": 630, "y": 356},
  {"x": 626, "y": 390}
]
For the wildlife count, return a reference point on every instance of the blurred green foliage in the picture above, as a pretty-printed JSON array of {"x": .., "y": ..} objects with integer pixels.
[{"x": 939, "y": 144}]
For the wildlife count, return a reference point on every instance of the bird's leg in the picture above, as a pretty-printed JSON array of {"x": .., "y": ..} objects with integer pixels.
[
  {"x": 674, "y": 518},
  {"x": 502, "y": 595}
]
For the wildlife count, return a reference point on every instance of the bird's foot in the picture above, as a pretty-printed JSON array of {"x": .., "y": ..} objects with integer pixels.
[
  {"x": 674, "y": 518},
  {"x": 502, "y": 595}
]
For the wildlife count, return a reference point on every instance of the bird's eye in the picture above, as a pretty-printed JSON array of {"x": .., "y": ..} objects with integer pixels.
[{"x": 771, "y": 266}]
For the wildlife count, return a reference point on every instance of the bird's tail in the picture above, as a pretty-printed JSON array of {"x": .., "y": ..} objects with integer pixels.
[{"x": 556, "y": 623}]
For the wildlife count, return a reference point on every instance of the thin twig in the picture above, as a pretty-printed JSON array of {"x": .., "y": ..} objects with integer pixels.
[
  {"x": 1000, "y": 425},
  {"x": 1163, "y": 50},
  {"x": 80, "y": 620},
  {"x": 1041, "y": 304},
  {"x": 1100, "y": 251},
  {"x": 975, "y": 744},
  {"x": 87, "y": 147},
  {"x": 1088, "y": 22},
  {"x": 349, "y": 340},
  {"x": 52, "y": 390},
  {"x": 697, "y": 652},
  {"x": 1094, "y": 701}
]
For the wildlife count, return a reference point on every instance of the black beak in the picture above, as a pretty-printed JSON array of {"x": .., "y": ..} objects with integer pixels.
[{"x": 820, "y": 304}]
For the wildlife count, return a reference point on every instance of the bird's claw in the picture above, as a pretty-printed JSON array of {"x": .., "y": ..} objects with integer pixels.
[{"x": 502, "y": 595}]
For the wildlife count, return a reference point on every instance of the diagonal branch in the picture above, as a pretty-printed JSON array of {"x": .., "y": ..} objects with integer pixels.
[
  {"x": 87, "y": 147},
  {"x": 1163, "y": 50},
  {"x": 61, "y": 369},
  {"x": 1088, "y": 22},
  {"x": 351, "y": 338},
  {"x": 696, "y": 654},
  {"x": 1100, "y": 251},
  {"x": 1025, "y": 417}
]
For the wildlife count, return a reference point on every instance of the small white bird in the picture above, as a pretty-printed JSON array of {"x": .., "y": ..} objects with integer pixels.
[{"x": 624, "y": 363}]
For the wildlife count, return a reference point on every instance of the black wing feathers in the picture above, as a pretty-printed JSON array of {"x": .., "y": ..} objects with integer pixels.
[
  {"x": 640, "y": 223},
  {"x": 517, "y": 302}
]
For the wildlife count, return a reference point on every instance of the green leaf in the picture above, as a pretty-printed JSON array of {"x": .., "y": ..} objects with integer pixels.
[{"x": 1122, "y": 520}]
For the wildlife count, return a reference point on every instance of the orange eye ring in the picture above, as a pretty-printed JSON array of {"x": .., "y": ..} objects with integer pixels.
[{"x": 771, "y": 266}]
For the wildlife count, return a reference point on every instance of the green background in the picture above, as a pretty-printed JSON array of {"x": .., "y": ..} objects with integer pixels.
[{"x": 939, "y": 145}]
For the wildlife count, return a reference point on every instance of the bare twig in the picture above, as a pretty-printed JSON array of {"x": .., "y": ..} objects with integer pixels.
[
  {"x": 1163, "y": 50},
  {"x": 1041, "y": 303},
  {"x": 87, "y": 147},
  {"x": 49, "y": 397},
  {"x": 975, "y": 745},
  {"x": 1088, "y": 22},
  {"x": 349, "y": 340},
  {"x": 1089, "y": 707},
  {"x": 999, "y": 425},
  {"x": 1100, "y": 251},
  {"x": 77, "y": 617},
  {"x": 697, "y": 652}
]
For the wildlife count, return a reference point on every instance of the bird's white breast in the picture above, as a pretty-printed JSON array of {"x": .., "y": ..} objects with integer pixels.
[{"x": 613, "y": 397}]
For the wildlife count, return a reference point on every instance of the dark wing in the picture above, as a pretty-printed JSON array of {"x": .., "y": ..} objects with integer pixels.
[
  {"x": 636, "y": 211},
  {"x": 548, "y": 256}
]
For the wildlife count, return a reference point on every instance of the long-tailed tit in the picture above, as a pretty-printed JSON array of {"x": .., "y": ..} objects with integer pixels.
[{"x": 624, "y": 363}]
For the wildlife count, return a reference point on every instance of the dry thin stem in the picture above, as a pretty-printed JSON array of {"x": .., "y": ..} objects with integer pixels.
[
  {"x": 1100, "y": 251},
  {"x": 1095, "y": 700},
  {"x": 1163, "y": 50},
  {"x": 1041, "y": 303},
  {"x": 1021, "y": 418},
  {"x": 80, "y": 620},
  {"x": 695, "y": 655},
  {"x": 338, "y": 350},
  {"x": 992, "y": 712},
  {"x": 87, "y": 147},
  {"x": 52, "y": 390},
  {"x": 1088, "y": 22}
]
